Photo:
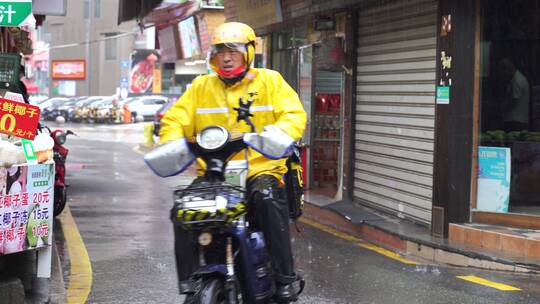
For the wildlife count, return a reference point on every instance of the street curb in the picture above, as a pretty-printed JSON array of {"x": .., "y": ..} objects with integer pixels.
[
  {"x": 402, "y": 244},
  {"x": 58, "y": 287}
]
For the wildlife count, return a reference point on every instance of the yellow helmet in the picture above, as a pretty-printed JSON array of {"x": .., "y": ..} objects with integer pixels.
[
  {"x": 233, "y": 32},
  {"x": 235, "y": 35}
]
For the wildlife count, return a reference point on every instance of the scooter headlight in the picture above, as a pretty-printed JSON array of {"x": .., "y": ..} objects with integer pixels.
[
  {"x": 60, "y": 138},
  {"x": 212, "y": 138}
]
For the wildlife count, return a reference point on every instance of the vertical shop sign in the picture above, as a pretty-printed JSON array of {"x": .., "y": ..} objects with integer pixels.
[
  {"x": 493, "y": 179},
  {"x": 156, "y": 87},
  {"x": 445, "y": 74}
]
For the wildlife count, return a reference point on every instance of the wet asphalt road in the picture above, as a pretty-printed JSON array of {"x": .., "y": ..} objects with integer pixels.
[{"x": 122, "y": 210}]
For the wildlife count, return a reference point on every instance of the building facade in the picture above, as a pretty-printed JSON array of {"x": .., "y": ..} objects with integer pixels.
[
  {"x": 424, "y": 109},
  {"x": 89, "y": 33}
]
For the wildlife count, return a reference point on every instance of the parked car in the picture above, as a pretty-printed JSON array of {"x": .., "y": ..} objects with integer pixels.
[
  {"x": 48, "y": 106},
  {"x": 35, "y": 99},
  {"x": 67, "y": 109},
  {"x": 147, "y": 106},
  {"x": 160, "y": 113}
]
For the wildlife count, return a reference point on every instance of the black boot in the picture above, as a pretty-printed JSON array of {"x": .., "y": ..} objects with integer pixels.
[
  {"x": 186, "y": 287},
  {"x": 285, "y": 293}
]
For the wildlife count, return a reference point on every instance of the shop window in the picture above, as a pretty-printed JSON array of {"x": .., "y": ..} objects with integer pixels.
[
  {"x": 86, "y": 9},
  {"x": 167, "y": 77},
  {"x": 97, "y": 8},
  {"x": 509, "y": 153}
]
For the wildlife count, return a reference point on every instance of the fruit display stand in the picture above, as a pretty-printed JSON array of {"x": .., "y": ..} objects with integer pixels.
[{"x": 26, "y": 212}]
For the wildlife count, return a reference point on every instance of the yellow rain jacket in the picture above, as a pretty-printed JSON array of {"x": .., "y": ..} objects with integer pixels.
[{"x": 210, "y": 102}]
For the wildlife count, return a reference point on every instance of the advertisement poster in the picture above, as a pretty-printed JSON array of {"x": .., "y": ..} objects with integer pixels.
[
  {"x": 143, "y": 63},
  {"x": 493, "y": 179},
  {"x": 68, "y": 69},
  {"x": 26, "y": 207},
  {"x": 189, "y": 38}
]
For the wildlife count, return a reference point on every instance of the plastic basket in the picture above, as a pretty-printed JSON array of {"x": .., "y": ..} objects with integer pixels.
[
  {"x": 192, "y": 218},
  {"x": 9, "y": 67}
]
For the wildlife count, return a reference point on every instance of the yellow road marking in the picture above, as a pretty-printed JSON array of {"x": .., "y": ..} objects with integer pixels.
[
  {"x": 359, "y": 242},
  {"x": 80, "y": 276},
  {"x": 488, "y": 283}
]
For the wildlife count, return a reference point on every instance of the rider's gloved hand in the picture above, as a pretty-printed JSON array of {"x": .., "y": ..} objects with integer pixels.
[{"x": 273, "y": 142}]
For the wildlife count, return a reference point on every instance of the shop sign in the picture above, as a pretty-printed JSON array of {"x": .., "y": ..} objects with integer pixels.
[
  {"x": 189, "y": 38},
  {"x": 68, "y": 69},
  {"x": 18, "y": 119},
  {"x": 443, "y": 95},
  {"x": 493, "y": 179},
  {"x": 259, "y": 13},
  {"x": 14, "y": 12},
  {"x": 169, "y": 43},
  {"x": 26, "y": 207}
]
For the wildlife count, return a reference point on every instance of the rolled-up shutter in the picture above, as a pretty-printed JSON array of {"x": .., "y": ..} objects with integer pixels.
[{"x": 395, "y": 109}]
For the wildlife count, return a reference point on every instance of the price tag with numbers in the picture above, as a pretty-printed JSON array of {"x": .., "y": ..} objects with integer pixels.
[{"x": 18, "y": 119}]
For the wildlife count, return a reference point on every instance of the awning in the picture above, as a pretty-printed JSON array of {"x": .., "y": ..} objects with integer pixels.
[
  {"x": 130, "y": 9},
  {"x": 156, "y": 12},
  {"x": 31, "y": 87},
  {"x": 169, "y": 14}
]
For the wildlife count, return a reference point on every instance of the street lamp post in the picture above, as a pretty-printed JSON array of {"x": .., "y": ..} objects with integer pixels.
[{"x": 88, "y": 55}]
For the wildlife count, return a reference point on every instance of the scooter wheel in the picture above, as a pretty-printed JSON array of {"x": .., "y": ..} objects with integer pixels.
[
  {"x": 59, "y": 200},
  {"x": 212, "y": 291}
]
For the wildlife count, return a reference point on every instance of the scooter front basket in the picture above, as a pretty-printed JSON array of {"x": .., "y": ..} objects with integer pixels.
[{"x": 208, "y": 205}]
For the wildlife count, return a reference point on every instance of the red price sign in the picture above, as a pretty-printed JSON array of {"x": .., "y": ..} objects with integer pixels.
[{"x": 18, "y": 119}]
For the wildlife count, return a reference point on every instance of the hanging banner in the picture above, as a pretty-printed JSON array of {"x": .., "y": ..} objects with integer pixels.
[
  {"x": 493, "y": 179},
  {"x": 18, "y": 119},
  {"x": 26, "y": 207},
  {"x": 15, "y": 12}
]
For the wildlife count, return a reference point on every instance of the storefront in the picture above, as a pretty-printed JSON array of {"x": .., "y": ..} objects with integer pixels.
[
  {"x": 395, "y": 110},
  {"x": 312, "y": 61},
  {"x": 509, "y": 114},
  {"x": 485, "y": 160}
]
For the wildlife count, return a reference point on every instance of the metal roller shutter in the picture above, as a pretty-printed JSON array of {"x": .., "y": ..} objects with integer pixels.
[{"x": 395, "y": 107}]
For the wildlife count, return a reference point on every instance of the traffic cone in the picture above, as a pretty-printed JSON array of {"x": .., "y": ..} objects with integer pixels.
[{"x": 127, "y": 115}]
